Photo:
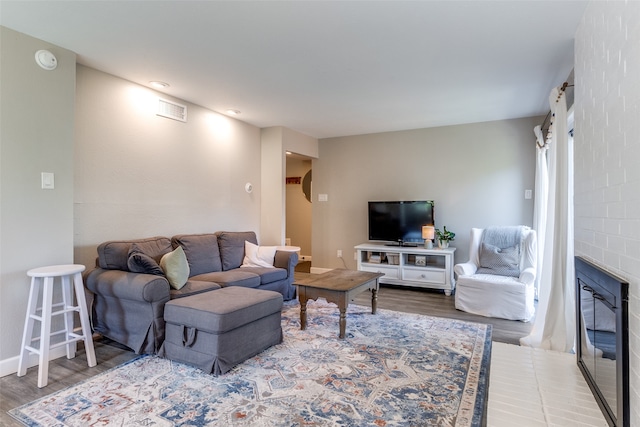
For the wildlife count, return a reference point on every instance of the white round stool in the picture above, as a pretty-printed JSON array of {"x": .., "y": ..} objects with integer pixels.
[{"x": 46, "y": 276}]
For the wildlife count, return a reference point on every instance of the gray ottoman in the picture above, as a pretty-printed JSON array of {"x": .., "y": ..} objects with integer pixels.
[{"x": 217, "y": 330}]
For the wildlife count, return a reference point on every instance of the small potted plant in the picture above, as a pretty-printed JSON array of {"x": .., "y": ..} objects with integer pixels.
[{"x": 444, "y": 237}]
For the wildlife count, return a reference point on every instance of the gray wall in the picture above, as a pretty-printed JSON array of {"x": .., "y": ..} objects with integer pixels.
[
  {"x": 141, "y": 175},
  {"x": 36, "y": 135},
  {"x": 475, "y": 173}
]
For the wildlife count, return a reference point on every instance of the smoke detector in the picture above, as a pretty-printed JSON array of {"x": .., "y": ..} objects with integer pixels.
[{"x": 46, "y": 60}]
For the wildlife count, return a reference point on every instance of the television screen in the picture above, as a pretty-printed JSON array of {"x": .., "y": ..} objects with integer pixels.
[{"x": 399, "y": 221}]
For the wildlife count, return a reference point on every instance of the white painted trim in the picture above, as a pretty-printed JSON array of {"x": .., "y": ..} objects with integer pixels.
[{"x": 10, "y": 366}]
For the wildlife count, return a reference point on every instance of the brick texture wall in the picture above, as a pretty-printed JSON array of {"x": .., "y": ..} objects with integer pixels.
[{"x": 607, "y": 153}]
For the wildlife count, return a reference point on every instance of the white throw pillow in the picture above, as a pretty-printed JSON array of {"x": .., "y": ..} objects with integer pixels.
[{"x": 258, "y": 256}]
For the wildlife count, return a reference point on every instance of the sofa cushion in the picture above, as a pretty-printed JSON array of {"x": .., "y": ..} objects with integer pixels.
[
  {"x": 231, "y": 245},
  {"x": 201, "y": 250},
  {"x": 193, "y": 287},
  {"x": 139, "y": 262},
  {"x": 237, "y": 277},
  {"x": 175, "y": 267},
  {"x": 114, "y": 255},
  {"x": 267, "y": 274}
]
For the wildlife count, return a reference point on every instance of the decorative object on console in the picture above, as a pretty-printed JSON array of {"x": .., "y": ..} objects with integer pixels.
[
  {"x": 444, "y": 237},
  {"x": 428, "y": 234}
]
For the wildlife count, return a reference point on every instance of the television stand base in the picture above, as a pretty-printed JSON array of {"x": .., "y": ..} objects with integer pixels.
[{"x": 409, "y": 266}]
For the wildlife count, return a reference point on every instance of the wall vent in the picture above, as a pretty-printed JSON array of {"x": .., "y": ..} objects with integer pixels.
[{"x": 172, "y": 110}]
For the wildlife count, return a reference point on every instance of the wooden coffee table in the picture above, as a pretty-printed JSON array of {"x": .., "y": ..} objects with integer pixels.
[{"x": 339, "y": 287}]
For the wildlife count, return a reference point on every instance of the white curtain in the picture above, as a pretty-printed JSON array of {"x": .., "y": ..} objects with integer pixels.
[
  {"x": 554, "y": 325},
  {"x": 540, "y": 202}
]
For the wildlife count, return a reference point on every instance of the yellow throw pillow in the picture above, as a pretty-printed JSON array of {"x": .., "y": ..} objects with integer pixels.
[{"x": 175, "y": 267}]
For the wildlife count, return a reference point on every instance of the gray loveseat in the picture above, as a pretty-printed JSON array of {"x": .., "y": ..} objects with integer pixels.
[{"x": 129, "y": 291}]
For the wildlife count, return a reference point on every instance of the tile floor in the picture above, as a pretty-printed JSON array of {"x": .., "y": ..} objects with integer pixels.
[{"x": 534, "y": 387}]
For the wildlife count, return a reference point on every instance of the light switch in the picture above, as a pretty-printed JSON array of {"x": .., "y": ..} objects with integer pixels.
[
  {"x": 527, "y": 194},
  {"x": 48, "y": 181},
  {"x": 323, "y": 197}
]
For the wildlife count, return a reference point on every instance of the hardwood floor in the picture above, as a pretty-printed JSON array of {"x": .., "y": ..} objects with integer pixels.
[
  {"x": 16, "y": 391},
  {"x": 436, "y": 303}
]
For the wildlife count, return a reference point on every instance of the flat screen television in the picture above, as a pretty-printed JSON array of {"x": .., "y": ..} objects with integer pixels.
[{"x": 399, "y": 222}]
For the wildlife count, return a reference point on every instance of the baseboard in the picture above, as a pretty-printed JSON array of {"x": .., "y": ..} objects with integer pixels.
[
  {"x": 318, "y": 270},
  {"x": 10, "y": 366}
]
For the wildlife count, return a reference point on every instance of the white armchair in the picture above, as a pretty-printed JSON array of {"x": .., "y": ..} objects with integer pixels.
[{"x": 510, "y": 293}]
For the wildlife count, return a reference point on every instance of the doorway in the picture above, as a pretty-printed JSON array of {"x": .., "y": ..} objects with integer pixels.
[{"x": 298, "y": 201}]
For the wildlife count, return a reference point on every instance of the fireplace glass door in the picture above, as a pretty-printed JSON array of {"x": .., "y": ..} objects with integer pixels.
[
  {"x": 600, "y": 356},
  {"x": 603, "y": 338}
]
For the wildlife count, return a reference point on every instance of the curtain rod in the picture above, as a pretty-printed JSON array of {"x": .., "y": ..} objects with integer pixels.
[{"x": 565, "y": 85}]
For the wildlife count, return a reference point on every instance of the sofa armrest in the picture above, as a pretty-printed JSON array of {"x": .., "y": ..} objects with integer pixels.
[
  {"x": 287, "y": 260},
  {"x": 127, "y": 285},
  {"x": 528, "y": 276},
  {"x": 465, "y": 269}
]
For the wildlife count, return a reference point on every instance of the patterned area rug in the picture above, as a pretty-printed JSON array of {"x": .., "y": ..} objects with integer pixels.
[{"x": 393, "y": 369}]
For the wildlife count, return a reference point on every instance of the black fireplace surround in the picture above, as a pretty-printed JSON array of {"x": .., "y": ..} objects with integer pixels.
[{"x": 602, "y": 311}]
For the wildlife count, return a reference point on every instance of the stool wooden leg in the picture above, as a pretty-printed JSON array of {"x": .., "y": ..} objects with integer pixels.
[
  {"x": 84, "y": 321},
  {"x": 27, "y": 334},
  {"x": 45, "y": 332},
  {"x": 67, "y": 298}
]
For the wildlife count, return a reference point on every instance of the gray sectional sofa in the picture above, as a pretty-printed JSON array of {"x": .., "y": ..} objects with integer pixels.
[{"x": 130, "y": 290}]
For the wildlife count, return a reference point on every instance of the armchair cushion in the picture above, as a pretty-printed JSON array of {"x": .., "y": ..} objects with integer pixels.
[{"x": 503, "y": 262}]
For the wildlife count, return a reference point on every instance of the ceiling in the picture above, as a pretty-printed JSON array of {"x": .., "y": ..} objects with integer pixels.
[{"x": 325, "y": 68}]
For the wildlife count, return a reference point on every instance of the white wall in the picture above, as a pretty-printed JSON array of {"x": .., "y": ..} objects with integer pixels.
[
  {"x": 36, "y": 135},
  {"x": 141, "y": 175},
  {"x": 276, "y": 141},
  {"x": 607, "y": 154},
  {"x": 475, "y": 173}
]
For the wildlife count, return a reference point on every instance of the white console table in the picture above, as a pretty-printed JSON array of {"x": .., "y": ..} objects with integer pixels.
[{"x": 409, "y": 266}]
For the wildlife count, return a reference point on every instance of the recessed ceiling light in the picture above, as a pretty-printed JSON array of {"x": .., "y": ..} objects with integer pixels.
[
  {"x": 159, "y": 85},
  {"x": 233, "y": 112}
]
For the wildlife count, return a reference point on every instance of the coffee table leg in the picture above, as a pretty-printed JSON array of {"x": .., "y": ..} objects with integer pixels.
[
  {"x": 303, "y": 314},
  {"x": 374, "y": 301},
  {"x": 343, "y": 321}
]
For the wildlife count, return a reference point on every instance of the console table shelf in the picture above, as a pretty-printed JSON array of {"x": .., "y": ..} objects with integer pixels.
[{"x": 409, "y": 266}]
